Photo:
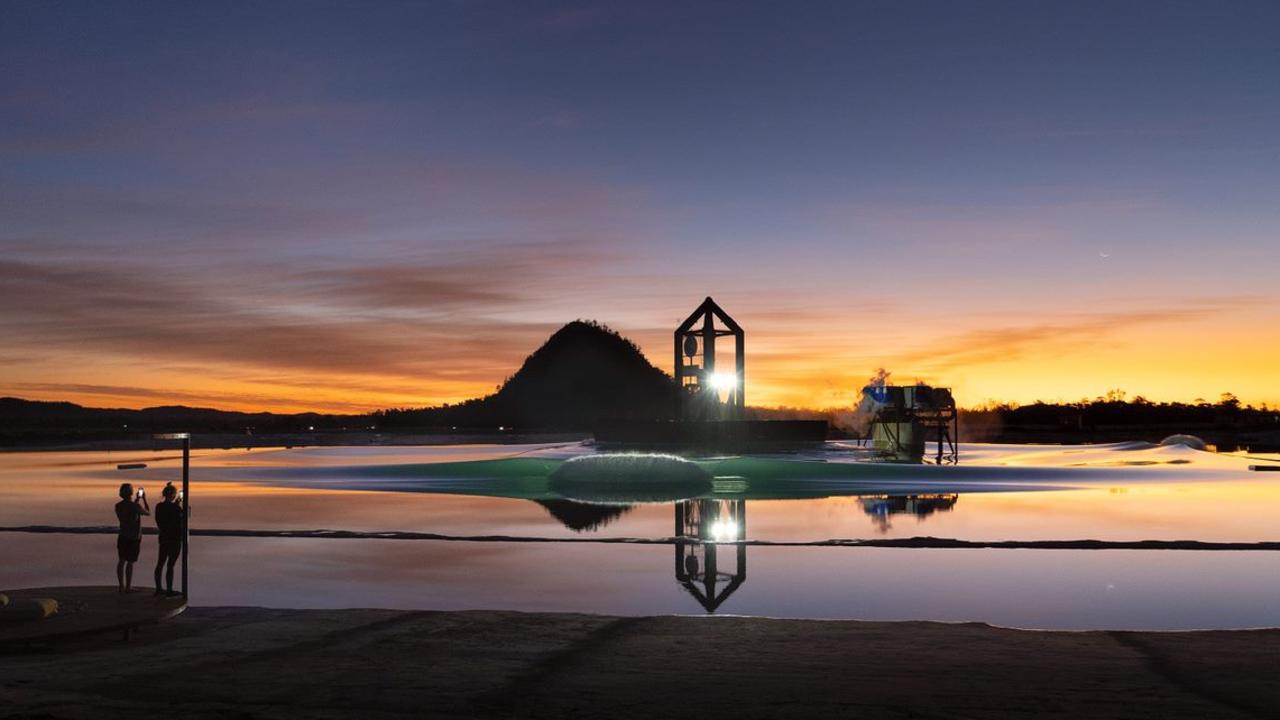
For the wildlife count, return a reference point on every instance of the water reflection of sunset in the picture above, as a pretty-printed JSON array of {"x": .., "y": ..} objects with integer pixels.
[
  {"x": 71, "y": 489},
  {"x": 1036, "y": 588}
]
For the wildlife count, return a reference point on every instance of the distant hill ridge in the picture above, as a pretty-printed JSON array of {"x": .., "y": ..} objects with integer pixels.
[
  {"x": 18, "y": 415},
  {"x": 585, "y": 372}
]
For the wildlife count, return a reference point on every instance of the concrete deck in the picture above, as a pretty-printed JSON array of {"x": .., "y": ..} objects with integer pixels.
[
  {"x": 256, "y": 663},
  {"x": 88, "y": 610}
]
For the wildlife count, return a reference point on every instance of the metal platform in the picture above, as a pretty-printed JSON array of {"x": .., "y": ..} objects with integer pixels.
[{"x": 88, "y": 610}]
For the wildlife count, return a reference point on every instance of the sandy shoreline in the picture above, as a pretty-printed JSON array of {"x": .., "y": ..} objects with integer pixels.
[{"x": 265, "y": 663}]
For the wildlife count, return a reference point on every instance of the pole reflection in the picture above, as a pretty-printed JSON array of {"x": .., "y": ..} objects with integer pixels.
[
  {"x": 710, "y": 534},
  {"x": 710, "y": 571}
]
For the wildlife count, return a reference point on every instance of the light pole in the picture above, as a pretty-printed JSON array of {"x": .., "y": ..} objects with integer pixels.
[{"x": 186, "y": 500}]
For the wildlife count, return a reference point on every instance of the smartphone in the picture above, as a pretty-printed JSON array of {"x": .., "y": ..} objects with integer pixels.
[{"x": 142, "y": 493}]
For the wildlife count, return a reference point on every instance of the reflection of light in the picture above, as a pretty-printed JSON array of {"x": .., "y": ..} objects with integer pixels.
[
  {"x": 724, "y": 381},
  {"x": 724, "y": 530}
]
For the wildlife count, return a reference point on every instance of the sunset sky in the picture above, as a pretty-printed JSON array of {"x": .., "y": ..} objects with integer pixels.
[{"x": 348, "y": 206}]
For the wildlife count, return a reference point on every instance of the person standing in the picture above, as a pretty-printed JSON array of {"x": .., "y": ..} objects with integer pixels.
[
  {"x": 129, "y": 512},
  {"x": 169, "y": 520}
]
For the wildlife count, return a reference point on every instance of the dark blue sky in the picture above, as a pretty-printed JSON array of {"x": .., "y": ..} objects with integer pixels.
[{"x": 1071, "y": 177}]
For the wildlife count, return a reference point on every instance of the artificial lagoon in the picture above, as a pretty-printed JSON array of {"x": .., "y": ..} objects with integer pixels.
[{"x": 809, "y": 534}]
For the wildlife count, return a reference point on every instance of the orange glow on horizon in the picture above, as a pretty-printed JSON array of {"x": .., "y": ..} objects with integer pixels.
[{"x": 1160, "y": 368}]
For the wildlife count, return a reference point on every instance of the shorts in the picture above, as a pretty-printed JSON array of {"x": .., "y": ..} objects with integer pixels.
[{"x": 128, "y": 548}]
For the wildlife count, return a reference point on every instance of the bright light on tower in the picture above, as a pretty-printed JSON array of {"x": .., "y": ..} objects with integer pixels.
[
  {"x": 724, "y": 530},
  {"x": 724, "y": 381}
]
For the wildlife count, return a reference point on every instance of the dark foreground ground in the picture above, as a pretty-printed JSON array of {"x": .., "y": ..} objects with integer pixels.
[{"x": 256, "y": 663}]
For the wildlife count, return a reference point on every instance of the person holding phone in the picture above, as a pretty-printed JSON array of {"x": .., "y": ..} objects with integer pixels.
[
  {"x": 169, "y": 519},
  {"x": 129, "y": 512}
]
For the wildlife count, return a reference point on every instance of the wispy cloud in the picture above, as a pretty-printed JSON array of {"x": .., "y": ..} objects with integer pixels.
[
  {"x": 100, "y": 395},
  {"x": 1077, "y": 332},
  {"x": 392, "y": 325}
]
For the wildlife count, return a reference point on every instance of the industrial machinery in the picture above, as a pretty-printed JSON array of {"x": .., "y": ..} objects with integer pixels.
[
  {"x": 905, "y": 417},
  {"x": 882, "y": 508}
]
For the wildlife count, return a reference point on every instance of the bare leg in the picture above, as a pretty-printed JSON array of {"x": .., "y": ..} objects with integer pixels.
[
  {"x": 173, "y": 559},
  {"x": 120, "y": 574},
  {"x": 128, "y": 576}
]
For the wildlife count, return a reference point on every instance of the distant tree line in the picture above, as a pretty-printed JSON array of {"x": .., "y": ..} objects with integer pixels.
[
  {"x": 29, "y": 422},
  {"x": 1114, "y": 416}
]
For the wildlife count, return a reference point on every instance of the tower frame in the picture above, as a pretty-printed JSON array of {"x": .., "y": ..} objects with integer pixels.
[{"x": 695, "y": 379}]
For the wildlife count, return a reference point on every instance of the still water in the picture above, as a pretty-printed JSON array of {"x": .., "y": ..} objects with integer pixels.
[{"x": 556, "y": 551}]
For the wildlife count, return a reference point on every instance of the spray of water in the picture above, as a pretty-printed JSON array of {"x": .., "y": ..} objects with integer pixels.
[{"x": 868, "y": 406}]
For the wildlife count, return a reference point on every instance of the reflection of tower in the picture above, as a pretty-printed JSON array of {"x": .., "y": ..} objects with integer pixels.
[
  {"x": 702, "y": 383},
  {"x": 700, "y": 567}
]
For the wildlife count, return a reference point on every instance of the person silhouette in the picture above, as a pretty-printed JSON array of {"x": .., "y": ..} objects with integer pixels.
[
  {"x": 169, "y": 519},
  {"x": 129, "y": 541}
]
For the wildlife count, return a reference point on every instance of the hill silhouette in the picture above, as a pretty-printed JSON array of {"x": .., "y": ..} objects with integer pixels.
[
  {"x": 584, "y": 373},
  {"x": 34, "y": 422},
  {"x": 578, "y": 516}
]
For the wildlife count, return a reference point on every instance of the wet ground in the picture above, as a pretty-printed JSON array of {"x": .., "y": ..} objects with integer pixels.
[{"x": 240, "y": 662}]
